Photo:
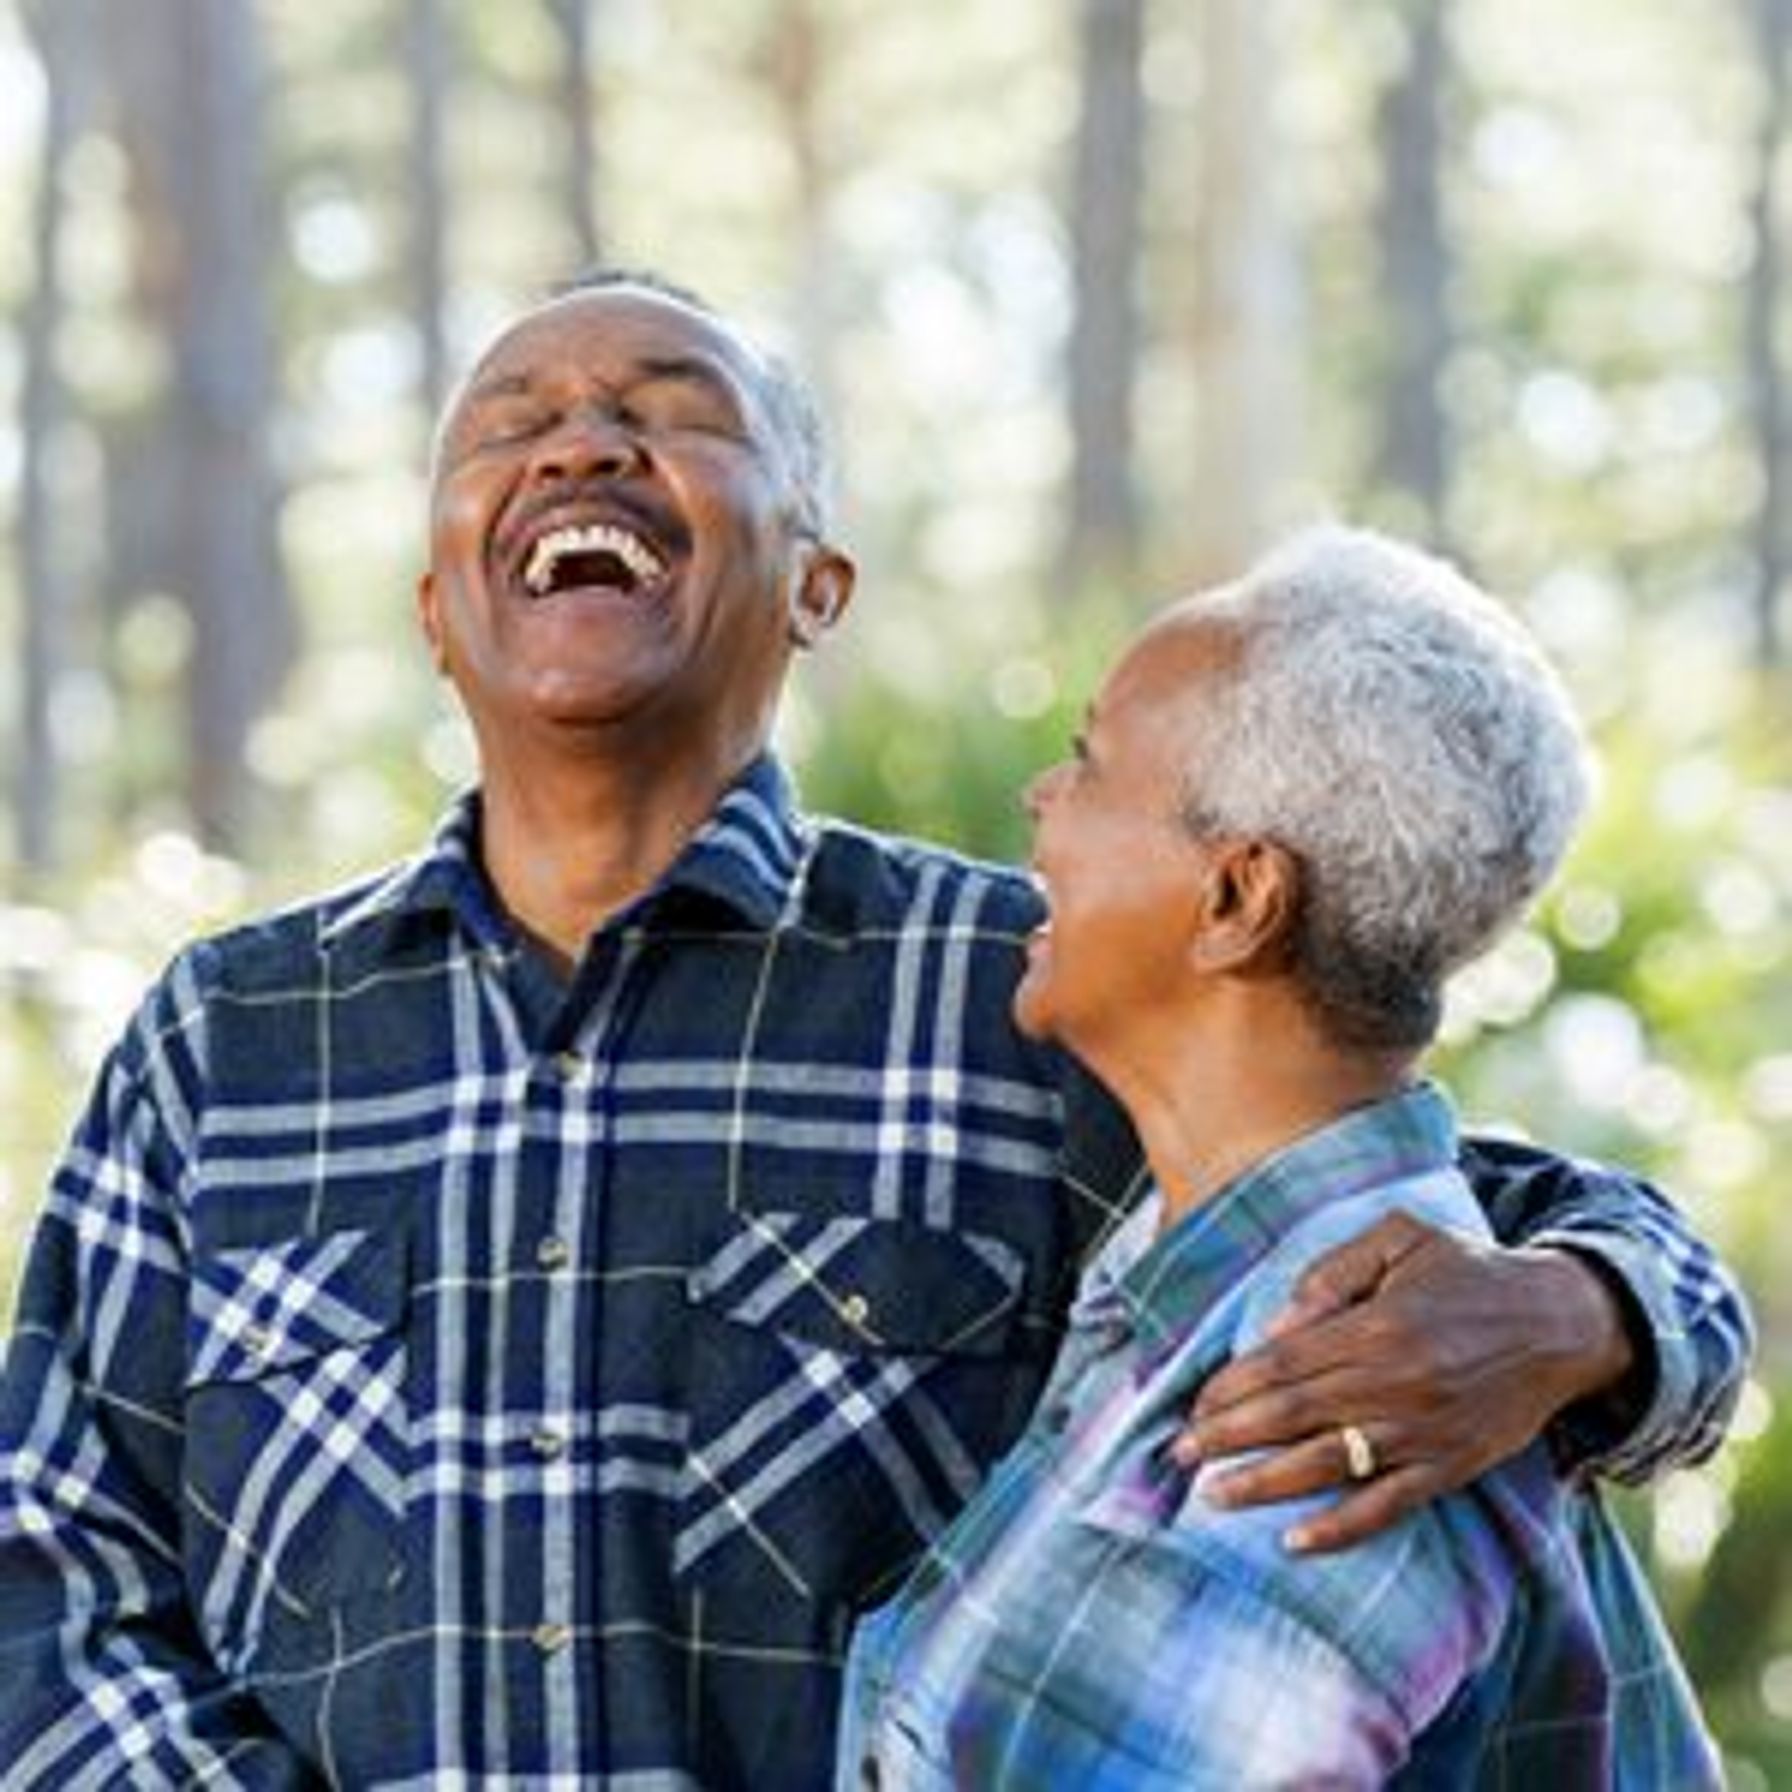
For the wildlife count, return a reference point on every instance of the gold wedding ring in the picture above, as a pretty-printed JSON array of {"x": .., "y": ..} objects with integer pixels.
[{"x": 1359, "y": 1453}]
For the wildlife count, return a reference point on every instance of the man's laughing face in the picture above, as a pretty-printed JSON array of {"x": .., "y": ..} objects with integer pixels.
[{"x": 616, "y": 530}]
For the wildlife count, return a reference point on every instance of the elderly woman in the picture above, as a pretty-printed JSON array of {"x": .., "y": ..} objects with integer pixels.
[{"x": 1298, "y": 804}]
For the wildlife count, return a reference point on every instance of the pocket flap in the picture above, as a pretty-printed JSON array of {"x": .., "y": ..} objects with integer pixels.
[
  {"x": 263, "y": 1308},
  {"x": 853, "y": 1283}
]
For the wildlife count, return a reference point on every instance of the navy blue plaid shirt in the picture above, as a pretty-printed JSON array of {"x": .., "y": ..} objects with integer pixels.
[{"x": 428, "y": 1372}]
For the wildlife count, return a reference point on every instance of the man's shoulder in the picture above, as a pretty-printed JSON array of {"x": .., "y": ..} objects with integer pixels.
[
  {"x": 860, "y": 878},
  {"x": 264, "y": 969},
  {"x": 278, "y": 948}
]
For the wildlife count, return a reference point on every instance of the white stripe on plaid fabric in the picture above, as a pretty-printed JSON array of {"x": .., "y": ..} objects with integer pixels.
[
  {"x": 657, "y": 1079},
  {"x": 849, "y": 1399}
]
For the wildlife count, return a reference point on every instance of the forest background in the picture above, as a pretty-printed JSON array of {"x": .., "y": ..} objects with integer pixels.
[{"x": 1098, "y": 298}]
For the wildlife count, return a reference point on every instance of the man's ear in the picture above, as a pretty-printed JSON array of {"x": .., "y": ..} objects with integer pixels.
[
  {"x": 820, "y": 592},
  {"x": 429, "y": 614},
  {"x": 1250, "y": 893}
]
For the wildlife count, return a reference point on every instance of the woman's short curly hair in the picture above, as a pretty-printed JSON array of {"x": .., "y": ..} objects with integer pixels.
[{"x": 1399, "y": 733}]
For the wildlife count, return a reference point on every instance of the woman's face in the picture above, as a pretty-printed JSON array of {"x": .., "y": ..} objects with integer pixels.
[{"x": 1116, "y": 863}]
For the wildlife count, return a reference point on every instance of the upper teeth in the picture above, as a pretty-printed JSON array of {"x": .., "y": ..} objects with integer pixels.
[{"x": 590, "y": 538}]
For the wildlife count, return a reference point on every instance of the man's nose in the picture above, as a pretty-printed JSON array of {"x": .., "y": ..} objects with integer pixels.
[{"x": 593, "y": 442}]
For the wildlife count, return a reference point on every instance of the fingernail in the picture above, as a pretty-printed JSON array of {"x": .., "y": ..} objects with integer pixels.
[
  {"x": 1211, "y": 1486},
  {"x": 1185, "y": 1452},
  {"x": 1292, "y": 1317},
  {"x": 1297, "y": 1541}
]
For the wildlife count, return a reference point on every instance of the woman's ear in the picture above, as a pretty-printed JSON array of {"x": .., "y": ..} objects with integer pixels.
[
  {"x": 820, "y": 593},
  {"x": 1250, "y": 891}
]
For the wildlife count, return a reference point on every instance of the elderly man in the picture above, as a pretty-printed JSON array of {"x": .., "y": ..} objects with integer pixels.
[{"x": 501, "y": 1322}]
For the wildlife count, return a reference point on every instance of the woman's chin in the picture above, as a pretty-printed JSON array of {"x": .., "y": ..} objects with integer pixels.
[{"x": 1032, "y": 1006}]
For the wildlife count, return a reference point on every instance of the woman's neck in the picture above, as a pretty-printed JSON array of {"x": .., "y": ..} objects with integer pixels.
[{"x": 1216, "y": 1097}]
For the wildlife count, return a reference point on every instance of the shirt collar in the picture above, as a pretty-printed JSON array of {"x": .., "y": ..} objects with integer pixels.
[
  {"x": 1176, "y": 1277},
  {"x": 747, "y": 856},
  {"x": 750, "y": 854}
]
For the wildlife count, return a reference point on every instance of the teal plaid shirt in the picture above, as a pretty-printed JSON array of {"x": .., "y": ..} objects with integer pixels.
[{"x": 1089, "y": 1621}]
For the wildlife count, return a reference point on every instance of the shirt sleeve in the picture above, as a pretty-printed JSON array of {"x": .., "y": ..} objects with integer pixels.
[
  {"x": 1687, "y": 1317},
  {"x": 104, "y": 1677},
  {"x": 1171, "y": 1659}
]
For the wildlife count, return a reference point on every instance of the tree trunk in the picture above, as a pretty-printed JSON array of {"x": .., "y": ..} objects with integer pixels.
[
  {"x": 143, "y": 480},
  {"x": 190, "y": 92},
  {"x": 1773, "y": 24},
  {"x": 573, "y": 17},
  {"x": 796, "y": 62},
  {"x": 1247, "y": 337},
  {"x": 426, "y": 57},
  {"x": 57, "y": 29},
  {"x": 1414, "y": 457},
  {"x": 1102, "y": 538}
]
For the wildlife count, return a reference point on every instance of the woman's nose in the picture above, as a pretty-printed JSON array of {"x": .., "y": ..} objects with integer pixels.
[{"x": 1033, "y": 799}]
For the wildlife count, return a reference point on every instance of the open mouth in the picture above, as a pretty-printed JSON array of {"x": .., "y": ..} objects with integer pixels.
[{"x": 593, "y": 557}]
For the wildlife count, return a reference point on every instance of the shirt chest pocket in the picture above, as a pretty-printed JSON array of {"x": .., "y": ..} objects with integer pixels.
[
  {"x": 298, "y": 1433},
  {"x": 852, "y": 1379}
]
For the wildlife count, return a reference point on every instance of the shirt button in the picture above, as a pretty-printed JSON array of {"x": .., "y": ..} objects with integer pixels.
[
  {"x": 547, "y": 1443},
  {"x": 550, "y": 1639},
  {"x": 553, "y": 1253},
  {"x": 568, "y": 1064},
  {"x": 855, "y": 1309},
  {"x": 258, "y": 1340}
]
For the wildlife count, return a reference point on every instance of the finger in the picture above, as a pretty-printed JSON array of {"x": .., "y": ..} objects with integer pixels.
[
  {"x": 1277, "y": 1417},
  {"x": 1312, "y": 1466},
  {"x": 1349, "y": 1272},
  {"x": 1371, "y": 1508},
  {"x": 1329, "y": 1348}
]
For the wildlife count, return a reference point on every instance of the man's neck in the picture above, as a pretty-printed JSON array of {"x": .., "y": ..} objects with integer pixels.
[{"x": 569, "y": 845}]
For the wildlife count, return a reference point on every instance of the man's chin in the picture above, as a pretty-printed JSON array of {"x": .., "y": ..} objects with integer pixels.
[{"x": 592, "y": 695}]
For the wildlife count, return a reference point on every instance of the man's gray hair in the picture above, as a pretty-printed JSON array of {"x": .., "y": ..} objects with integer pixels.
[{"x": 1400, "y": 734}]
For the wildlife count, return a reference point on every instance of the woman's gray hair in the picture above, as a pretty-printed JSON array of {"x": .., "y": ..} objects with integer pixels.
[{"x": 1400, "y": 734}]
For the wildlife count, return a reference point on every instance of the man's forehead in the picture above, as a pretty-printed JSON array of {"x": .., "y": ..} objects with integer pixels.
[{"x": 634, "y": 324}]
